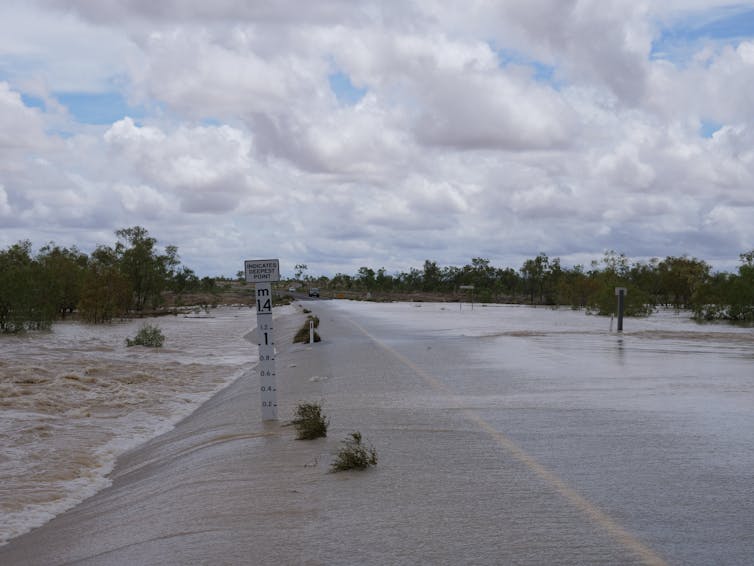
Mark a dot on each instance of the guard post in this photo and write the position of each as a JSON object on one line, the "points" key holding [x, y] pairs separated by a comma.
{"points": [[620, 292], [263, 272]]}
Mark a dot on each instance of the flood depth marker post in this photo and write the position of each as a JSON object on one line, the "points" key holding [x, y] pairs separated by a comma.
{"points": [[263, 272]]}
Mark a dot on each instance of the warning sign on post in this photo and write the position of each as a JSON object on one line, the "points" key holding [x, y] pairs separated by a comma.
{"points": [[262, 270]]}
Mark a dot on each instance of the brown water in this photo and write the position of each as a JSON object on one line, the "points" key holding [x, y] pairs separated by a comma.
{"points": [[74, 398]]}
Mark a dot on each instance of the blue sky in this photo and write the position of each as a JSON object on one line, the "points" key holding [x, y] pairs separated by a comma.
{"points": [[348, 135]]}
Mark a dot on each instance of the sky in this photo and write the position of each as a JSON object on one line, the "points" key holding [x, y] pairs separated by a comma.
{"points": [[342, 134]]}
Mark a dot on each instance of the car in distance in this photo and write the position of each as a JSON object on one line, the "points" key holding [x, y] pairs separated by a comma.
{"points": [[313, 292], [291, 289]]}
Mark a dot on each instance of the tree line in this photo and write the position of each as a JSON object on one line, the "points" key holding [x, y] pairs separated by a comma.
{"points": [[678, 282], [130, 276], [133, 276]]}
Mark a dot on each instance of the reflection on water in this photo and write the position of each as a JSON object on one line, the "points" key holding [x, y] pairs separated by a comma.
{"points": [[74, 398]]}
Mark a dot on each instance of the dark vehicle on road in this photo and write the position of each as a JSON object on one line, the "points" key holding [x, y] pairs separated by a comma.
{"points": [[313, 292]]}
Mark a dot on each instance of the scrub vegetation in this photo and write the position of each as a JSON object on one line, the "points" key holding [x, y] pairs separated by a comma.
{"points": [[148, 335], [354, 455], [678, 282], [310, 422], [134, 277], [302, 334]]}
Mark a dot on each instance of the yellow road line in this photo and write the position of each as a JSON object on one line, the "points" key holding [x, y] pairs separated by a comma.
{"points": [[598, 517]]}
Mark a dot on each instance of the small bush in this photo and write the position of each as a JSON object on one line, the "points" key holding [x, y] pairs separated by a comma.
{"points": [[302, 336], [309, 421], [353, 455], [147, 335]]}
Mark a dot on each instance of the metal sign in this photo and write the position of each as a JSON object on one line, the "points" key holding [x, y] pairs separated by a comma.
{"points": [[262, 270], [619, 290]]}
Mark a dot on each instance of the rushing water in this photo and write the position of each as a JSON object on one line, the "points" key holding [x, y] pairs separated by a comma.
{"points": [[74, 398]]}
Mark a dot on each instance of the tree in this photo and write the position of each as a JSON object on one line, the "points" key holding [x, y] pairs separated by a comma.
{"points": [[366, 276], [300, 270], [184, 281], [106, 292], [533, 272], [63, 271], [431, 277], [147, 272], [24, 305], [679, 278], [383, 281]]}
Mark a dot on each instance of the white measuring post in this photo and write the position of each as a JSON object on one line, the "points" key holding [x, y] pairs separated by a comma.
{"points": [[311, 332], [263, 272]]}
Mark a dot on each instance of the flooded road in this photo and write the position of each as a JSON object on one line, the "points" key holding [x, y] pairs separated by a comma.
{"points": [[653, 427], [505, 435]]}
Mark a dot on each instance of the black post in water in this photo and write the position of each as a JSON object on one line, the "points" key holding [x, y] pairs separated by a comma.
{"points": [[621, 293]]}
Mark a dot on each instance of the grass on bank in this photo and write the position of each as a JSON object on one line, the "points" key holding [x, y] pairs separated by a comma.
{"points": [[354, 455], [310, 422], [302, 335]]}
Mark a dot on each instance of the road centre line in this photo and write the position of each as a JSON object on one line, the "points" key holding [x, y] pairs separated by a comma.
{"points": [[597, 516]]}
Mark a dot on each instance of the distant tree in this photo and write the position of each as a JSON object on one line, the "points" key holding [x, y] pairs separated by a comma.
{"points": [[533, 273], [24, 303], [342, 282], [383, 281], [507, 281], [366, 277], [208, 285], [63, 275], [740, 295], [106, 293], [184, 280], [300, 268], [147, 272], [616, 273], [431, 277], [679, 278]]}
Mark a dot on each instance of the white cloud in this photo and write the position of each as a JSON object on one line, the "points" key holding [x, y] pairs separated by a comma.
{"points": [[499, 129], [21, 128], [5, 209], [205, 168]]}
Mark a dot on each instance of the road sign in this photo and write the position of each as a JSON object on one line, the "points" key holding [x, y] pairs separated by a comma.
{"points": [[262, 270]]}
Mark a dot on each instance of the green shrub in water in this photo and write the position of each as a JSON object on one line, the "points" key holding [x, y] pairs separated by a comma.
{"points": [[309, 421], [354, 455], [147, 335]]}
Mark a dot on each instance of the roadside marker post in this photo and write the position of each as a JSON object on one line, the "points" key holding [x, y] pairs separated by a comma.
{"points": [[620, 292], [263, 272]]}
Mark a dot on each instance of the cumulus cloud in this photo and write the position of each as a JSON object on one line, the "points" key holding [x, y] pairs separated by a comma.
{"points": [[205, 168], [21, 128], [499, 129]]}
